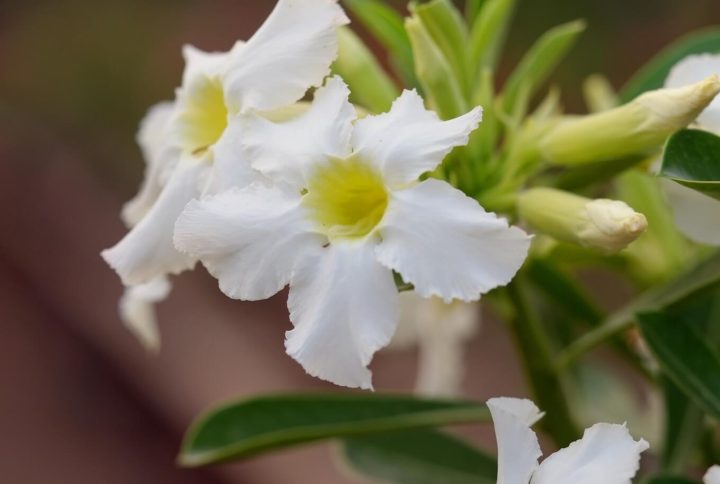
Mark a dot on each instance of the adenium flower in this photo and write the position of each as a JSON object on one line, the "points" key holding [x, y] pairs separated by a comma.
{"points": [[712, 476], [606, 454], [189, 143], [696, 213], [342, 208]]}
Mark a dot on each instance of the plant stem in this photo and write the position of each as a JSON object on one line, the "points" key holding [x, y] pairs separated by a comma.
{"points": [[542, 374]]}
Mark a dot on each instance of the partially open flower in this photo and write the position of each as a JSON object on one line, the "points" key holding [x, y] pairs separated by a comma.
{"points": [[344, 210]]}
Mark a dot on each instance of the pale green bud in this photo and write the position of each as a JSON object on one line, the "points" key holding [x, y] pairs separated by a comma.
{"points": [[633, 128], [605, 225]]}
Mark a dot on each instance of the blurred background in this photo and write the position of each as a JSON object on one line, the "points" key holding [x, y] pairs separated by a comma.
{"points": [[80, 401]]}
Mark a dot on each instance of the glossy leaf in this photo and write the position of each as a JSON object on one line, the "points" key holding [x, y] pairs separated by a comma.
{"points": [[685, 357], [653, 74], [692, 158], [261, 424], [423, 456]]}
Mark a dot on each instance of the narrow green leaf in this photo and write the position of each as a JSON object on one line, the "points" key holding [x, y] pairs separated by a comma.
{"points": [[683, 424], [448, 30], [247, 427], [537, 64], [436, 77], [653, 74], [369, 86], [692, 158], [386, 24], [472, 9], [424, 456], [488, 33], [685, 357]]}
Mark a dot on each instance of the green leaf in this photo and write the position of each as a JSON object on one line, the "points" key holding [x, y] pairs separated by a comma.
{"points": [[446, 27], [581, 176], [692, 158], [488, 33], [369, 86], [472, 9], [386, 24], [685, 357], [247, 427], [653, 74], [537, 64], [424, 456]]}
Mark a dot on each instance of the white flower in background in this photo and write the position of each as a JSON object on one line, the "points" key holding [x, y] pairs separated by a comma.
{"points": [[440, 331], [290, 53], [696, 214], [344, 210], [712, 476], [606, 454]]}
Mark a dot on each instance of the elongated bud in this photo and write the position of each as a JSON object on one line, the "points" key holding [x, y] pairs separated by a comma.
{"points": [[605, 225], [633, 128]]}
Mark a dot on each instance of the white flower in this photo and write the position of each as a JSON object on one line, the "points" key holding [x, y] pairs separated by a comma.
{"points": [[290, 53], [712, 476], [696, 214], [606, 454], [137, 310], [344, 210], [440, 331]]}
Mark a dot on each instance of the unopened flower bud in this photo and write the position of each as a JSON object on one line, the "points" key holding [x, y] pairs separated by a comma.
{"points": [[605, 225], [633, 128]]}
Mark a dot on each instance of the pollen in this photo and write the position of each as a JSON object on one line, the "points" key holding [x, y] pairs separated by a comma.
{"points": [[346, 198]]}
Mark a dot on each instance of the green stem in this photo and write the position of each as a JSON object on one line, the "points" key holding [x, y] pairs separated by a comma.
{"points": [[544, 379]]}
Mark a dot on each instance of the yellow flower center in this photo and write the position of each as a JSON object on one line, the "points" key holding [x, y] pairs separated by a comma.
{"points": [[204, 118], [347, 198]]}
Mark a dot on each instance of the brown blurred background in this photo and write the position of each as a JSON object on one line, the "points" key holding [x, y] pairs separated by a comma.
{"points": [[80, 402]]}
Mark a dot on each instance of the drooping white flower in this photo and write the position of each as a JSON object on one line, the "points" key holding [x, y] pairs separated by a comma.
{"points": [[343, 209], [440, 332], [606, 454], [697, 215], [137, 310], [712, 476], [290, 53]]}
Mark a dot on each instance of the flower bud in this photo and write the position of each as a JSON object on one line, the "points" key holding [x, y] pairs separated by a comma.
{"points": [[633, 128], [605, 225]]}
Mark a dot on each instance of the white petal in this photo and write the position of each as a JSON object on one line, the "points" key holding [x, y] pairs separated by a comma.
{"points": [[200, 65], [694, 69], [137, 310], [696, 215], [344, 307], [249, 239], [518, 447], [290, 53], [284, 151], [231, 166], [147, 251], [409, 140], [160, 160], [712, 476], [606, 454], [446, 245]]}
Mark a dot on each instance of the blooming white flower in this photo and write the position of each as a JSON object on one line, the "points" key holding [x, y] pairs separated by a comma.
{"points": [[696, 214], [606, 454], [290, 53], [440, 331], [712, 476], [344, 210]]}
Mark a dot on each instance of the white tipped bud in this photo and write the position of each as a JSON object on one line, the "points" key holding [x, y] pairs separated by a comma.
{"points": [[604, 225], [634, 128]]}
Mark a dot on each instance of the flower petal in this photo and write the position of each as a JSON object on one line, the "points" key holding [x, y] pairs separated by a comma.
{"points": [[409, 140], [446, 245], [231, 166], [518, 447], [249, 239], [344, 307], [147, 251], [712, 476], [284, 151], [290, 53], [137, 310], [692, 69], [606, 454], [160, 159], [696, 214]]}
